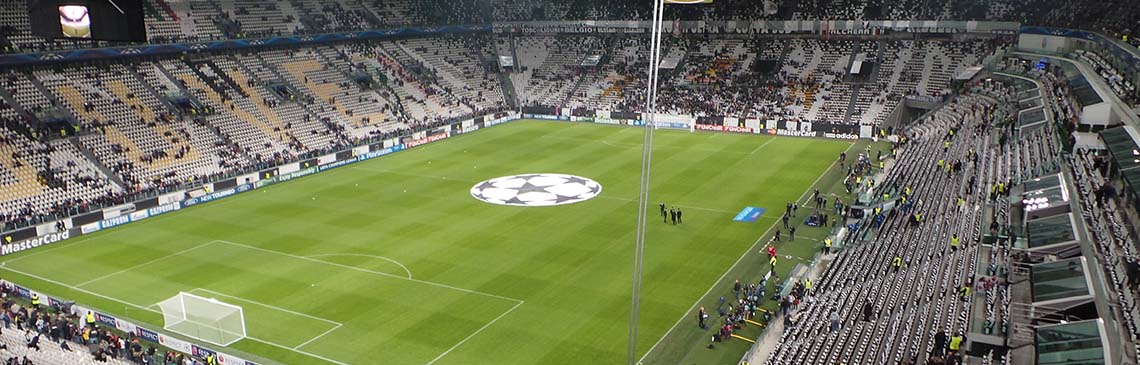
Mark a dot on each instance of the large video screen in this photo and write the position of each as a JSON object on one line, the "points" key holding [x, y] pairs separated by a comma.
{"points": [[106, 20], [75, 21]]}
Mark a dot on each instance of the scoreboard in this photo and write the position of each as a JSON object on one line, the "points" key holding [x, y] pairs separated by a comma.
{"points": [[102, 20]]}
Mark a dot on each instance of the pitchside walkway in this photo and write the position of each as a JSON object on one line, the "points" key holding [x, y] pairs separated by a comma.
{"points": [[767, 342]]}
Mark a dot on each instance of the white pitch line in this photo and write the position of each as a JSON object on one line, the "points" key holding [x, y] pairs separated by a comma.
{"points": [[336, 325], [638, 146], [475, 333], [143, 264], [81, 290], [317, 337], [303, 352], [329, 321], [87, 238], [469, 291], [676, 205], [762, 146], [473, 181], [730, 268], [58, 246], [409, 272], [411, 174], [612, 144]]}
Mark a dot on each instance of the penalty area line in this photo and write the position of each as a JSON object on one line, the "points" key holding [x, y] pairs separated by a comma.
{"points": [[309, 316], [409, 272], [335, 325], [302, 352], [171, 255], [373, 272], [317, 337], [464, 340], [81, 290]]}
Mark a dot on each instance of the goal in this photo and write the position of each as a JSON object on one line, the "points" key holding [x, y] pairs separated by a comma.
{"points": [[205, 319]]}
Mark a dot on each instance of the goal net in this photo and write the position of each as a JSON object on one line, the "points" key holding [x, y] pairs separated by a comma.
{"points": [[206, 319]]}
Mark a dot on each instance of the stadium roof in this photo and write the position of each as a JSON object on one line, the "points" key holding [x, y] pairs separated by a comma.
{"points": [[1044, 192], [1027, 117], [1052, 230], [1030, 103], [1060, 280], [1031, 93], [968, 73], [1125, 151], [1084, 92], [1072, 343]]}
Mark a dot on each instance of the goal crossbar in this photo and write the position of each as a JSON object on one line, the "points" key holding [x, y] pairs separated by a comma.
{"points": [[202, 318]]}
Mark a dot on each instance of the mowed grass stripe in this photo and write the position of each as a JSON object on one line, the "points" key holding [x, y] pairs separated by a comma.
{"points": [[571, 264]]}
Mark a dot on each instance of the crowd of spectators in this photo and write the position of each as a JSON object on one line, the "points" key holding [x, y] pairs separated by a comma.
{"points": [[1115, 18], [187, 140], [71, 332]]}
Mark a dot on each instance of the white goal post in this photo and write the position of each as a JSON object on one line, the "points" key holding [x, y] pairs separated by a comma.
{"points": [[205, 319]]}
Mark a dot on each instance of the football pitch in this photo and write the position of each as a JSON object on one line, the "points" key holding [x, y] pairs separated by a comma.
{"points": [[393, 261]]}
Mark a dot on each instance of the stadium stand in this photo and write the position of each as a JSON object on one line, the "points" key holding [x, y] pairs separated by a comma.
{"points": [[46, 336], [158, 124], [147, 125], [908, 310], [608, 85], [457, 66], [143, 145], [551, 65], [1114, 244], [196, 20], [1120, 85]]}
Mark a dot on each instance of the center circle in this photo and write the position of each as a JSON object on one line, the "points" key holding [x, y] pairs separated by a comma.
{"points": [[536, 190]]}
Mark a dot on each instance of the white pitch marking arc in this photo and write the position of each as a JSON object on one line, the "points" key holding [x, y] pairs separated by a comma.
{"points": [[409, 272]]}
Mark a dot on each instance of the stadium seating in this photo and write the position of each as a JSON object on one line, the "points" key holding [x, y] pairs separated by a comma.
{"points": [[1114, 244], [1117, 81], [551, 65], [134, 138], [909, 307], [455, 63], [195, 20], [49, 352], [261, 18], [811, 81], [606, 87]]}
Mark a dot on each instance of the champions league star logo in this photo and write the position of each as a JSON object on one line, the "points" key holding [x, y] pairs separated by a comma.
{"points": [[536, 190]]}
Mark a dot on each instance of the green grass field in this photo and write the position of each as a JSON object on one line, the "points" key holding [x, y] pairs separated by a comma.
{"points": [[391, 261]]}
